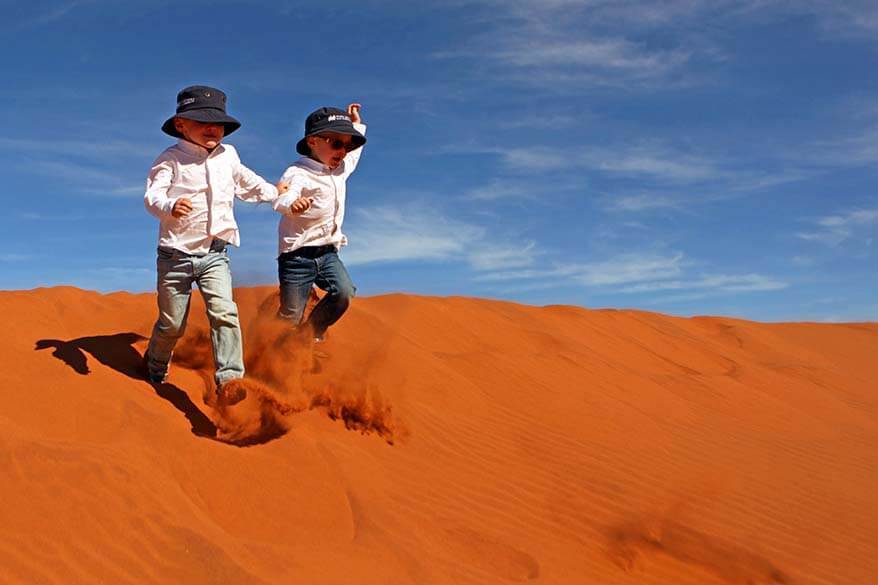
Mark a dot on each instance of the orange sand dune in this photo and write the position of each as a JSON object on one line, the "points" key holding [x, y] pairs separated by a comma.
{"points": [[441, 440]]}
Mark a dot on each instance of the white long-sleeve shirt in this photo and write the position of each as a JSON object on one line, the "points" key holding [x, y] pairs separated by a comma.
{"points": [[210, 180], [321, 223]]}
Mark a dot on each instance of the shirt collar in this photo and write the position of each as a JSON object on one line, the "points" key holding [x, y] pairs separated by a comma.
{"points": [[195, 149], [317, 166]]}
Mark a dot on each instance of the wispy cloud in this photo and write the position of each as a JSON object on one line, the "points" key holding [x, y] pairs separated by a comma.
{"points": [[643, 159], [858, 149], [841, 18], [57, 12], [85, 178], [93, 167], [622, 269], [421, 233], [13, 257], [498, 189], [42, 216], [571, 63], [391, 234], [42, 13], [78, 148], [638, 274], [656, 161], [718, 282], [727, 182], [628, 45], [849, 18], [587, 45], [617, 55], [641, 202], [629, 268], [835, 229], [503, 258]]}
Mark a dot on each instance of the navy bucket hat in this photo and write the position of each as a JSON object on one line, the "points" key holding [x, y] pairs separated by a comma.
{"points": [[329, 120], [202, 104]]}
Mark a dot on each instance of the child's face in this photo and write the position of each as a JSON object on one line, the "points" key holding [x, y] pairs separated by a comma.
{"points": [[329, 148], [203, 134]]}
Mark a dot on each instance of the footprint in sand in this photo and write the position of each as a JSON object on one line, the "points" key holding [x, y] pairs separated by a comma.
{"points": [[491, 556]]}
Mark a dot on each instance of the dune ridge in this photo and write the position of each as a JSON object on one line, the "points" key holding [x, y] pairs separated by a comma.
{"points": [[438, 440]]}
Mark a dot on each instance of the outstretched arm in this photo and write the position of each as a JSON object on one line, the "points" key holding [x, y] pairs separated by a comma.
{"points": [[294, 197], [251, 187]]}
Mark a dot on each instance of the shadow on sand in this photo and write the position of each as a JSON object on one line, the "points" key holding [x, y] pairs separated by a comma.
{"points": [[118, 352]]}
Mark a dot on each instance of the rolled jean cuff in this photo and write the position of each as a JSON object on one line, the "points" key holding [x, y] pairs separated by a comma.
{"points": [[220, 380]]}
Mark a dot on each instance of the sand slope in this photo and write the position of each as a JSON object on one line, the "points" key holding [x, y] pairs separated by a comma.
{"points": [[444, 440]]}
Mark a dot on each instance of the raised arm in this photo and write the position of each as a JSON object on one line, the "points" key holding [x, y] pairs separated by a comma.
{"points": [[353, 158]]}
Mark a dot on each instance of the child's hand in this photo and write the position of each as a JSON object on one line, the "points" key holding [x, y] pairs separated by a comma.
{"points": [[182, 207], [304, 202], [354, 113], [282, 188], [301, 205]]}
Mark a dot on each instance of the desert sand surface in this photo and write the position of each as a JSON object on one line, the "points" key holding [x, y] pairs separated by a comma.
{"points": [[438, 440]]}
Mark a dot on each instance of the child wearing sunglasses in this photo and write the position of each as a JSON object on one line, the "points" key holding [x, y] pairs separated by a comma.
{"points": [[312, 212]]}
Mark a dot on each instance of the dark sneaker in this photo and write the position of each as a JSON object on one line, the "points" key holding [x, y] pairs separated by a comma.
{"points": [[157, 378], [151, 375]]}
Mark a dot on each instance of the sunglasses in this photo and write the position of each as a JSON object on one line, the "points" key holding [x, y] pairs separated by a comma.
{"points": [[337, 143]]}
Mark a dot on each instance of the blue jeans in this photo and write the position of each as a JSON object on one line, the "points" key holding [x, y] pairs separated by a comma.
{"points": [[298, 271], [212, 273]]}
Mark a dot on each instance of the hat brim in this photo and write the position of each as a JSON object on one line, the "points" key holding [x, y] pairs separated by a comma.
{"points": [[357, 139], [205, 115]]}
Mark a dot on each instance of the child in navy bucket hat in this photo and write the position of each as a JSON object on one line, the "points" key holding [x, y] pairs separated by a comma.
{"points": [[191, 189], [312, 212]]}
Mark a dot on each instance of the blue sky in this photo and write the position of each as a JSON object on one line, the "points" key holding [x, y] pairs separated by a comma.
{"points": [[686, 156]]}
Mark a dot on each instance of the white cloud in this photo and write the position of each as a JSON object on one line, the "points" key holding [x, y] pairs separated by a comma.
{"points": [[845, 18], [835, 229], [41, 15], [13, 257], [629, 268], [391, 234], [859, 149], [418, 232], [497, 258], [570, 44], [800, 260], [496, 190], [645, 159], [85, 178], [637, 274], [720, 282], [79, 148], [623, 269], [641, 202], [610, 54], [659, 162], [848, 18], [542, 122]]}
